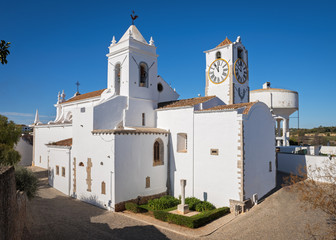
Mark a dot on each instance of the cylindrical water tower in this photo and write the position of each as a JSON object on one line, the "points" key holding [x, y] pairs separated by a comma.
{"points": [[282, 103]]}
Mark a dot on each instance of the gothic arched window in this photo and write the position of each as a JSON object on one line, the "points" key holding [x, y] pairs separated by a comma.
{"points": [[143, 75], [103, 188], [158, 152], [117, 78]]}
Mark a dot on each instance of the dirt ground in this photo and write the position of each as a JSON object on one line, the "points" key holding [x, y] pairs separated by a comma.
{"points": [[53, 215]]}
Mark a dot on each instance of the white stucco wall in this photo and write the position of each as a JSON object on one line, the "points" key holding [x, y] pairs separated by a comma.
{"points": [[316, 166], [181, 164], [134, 162], [136, 107], [108, 114], [45, 134], [259, 150], [216, 177], [328, 150], [100, 149], [26, 151], [59, 156]]}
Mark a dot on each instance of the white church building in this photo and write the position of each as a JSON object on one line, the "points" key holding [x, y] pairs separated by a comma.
{"points": [[135, 140]]}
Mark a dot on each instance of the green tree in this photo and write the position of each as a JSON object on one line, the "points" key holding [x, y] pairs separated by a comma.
{"points": [[9, 136], [26, 181], [4, 52]]}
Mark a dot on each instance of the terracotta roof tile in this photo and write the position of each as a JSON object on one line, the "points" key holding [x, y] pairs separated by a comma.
{"points": [[225, 42], [85, 96], [136, 130], [185, 102], [64, 142], [247, 107]]}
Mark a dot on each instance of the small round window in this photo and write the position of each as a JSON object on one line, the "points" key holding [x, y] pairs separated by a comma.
{"points": [[159, 87]]}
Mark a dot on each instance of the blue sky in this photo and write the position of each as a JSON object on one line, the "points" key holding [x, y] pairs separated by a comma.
{"points": [[56, 43]]}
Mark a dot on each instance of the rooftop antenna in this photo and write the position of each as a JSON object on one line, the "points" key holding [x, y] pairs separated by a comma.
{"points": [[133, 16]]}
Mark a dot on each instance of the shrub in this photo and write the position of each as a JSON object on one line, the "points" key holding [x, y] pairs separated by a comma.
{"points": [[163, 203], [192, 202], [204, 206], [134, 207], [26, 181], [193, 221]]}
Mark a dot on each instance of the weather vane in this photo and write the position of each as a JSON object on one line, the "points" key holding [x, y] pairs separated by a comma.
{"points": [[133, 16], [77, 84]]}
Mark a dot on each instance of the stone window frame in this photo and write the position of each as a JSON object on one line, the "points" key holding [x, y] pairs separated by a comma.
{"points": [[182, 142], [158, 152], [57, 170], [63, 171], [214, 151], [103, 188], [147, 182]]}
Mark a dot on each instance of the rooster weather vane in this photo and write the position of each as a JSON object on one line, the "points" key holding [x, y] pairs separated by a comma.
{"points": [[133, 16]]}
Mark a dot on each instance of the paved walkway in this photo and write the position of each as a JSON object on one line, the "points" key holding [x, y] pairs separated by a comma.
{"points": [[56, 216]]}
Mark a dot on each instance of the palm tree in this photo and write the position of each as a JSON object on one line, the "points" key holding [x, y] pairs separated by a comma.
{"points": [[4, 52]]}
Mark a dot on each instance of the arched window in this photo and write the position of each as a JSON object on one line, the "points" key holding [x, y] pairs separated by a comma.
{"points": [[117, 78], [158, 152], [218, 55], [103, 188], [143, 75]]}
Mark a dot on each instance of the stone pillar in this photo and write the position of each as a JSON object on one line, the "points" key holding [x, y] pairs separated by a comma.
{"points": [[183, 208], [284, 132]]}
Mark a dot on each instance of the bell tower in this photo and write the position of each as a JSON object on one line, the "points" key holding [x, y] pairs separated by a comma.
{"points": [[132, 66], [226, 72]]}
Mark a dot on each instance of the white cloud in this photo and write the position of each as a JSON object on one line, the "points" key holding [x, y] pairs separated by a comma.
{"points": [[23, 114]]}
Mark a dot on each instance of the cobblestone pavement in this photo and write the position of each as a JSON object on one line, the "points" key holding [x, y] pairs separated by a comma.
{"points": [[56, 216]]}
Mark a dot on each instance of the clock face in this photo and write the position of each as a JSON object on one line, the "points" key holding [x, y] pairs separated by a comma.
{"points": [[240, 71], [218, 71]]}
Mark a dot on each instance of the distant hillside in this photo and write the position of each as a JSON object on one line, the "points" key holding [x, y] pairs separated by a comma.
{"points": [[315, 136]]}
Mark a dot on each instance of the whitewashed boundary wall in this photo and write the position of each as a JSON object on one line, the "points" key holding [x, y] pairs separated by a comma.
{"points": [[317, 166]]}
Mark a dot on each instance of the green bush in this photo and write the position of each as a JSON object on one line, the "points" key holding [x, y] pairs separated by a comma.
{"points": [[192, 202], [193, 221], [26, 181], [134, 207], [163, 203], [204, 206]]}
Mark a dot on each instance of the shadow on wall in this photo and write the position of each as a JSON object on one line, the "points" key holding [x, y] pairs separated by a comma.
{"points": [[51, 176], [93, 199], [75, 221]]}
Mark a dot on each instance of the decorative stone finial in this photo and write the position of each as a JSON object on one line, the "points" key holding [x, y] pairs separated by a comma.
{"points": [[62, 96], [130, 33], [238, 39], [113, 42], [151, 41], [58, 98], [37, 120]]}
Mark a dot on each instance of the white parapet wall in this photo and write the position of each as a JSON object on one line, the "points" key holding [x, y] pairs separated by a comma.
{"points": [[319, 168]]}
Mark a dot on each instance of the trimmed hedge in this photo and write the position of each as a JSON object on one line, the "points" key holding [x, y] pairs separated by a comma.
{"points": [[134, 207], [192, 202], [193, 221], [163, 203], [204, 206]]}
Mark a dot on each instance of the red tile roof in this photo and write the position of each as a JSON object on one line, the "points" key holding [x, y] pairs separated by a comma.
{"points": [[185, 102], [64, 142], [85, 96], [135, 130], [225, 42], [247, 107]]}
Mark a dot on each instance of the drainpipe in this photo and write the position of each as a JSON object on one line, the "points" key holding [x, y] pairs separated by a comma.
{"points": [[69, 152]]}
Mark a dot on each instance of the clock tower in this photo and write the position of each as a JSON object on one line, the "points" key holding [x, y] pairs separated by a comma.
{"points": [[227, 74]]}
